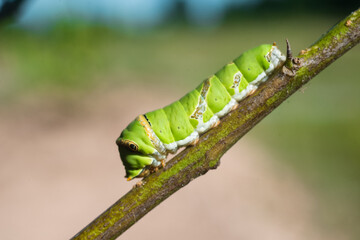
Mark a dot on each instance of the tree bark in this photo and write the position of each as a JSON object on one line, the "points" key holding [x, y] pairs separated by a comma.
{"points": [[196, 160]]}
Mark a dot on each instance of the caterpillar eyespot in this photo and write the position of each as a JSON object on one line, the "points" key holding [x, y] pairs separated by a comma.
{"points": [[133, 147], [150, 137]]}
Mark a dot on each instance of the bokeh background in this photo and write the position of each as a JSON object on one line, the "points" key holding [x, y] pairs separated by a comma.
{"points": [[73, 74]]}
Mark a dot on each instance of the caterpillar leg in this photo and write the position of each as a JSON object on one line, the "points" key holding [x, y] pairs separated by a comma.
{"points": [[138, 184], [162, 162], [144, 173], [216, 124], [252, 91], [159, 164], [194, 142], [235, 107]]}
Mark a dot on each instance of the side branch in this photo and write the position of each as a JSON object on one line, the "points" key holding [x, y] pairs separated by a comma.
{"points": [[197, 160]]}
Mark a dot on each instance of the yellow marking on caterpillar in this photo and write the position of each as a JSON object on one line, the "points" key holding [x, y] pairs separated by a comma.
{"points": [[151, 134]]}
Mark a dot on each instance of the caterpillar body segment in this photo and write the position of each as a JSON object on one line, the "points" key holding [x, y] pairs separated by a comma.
{"points": [[145, 142]]}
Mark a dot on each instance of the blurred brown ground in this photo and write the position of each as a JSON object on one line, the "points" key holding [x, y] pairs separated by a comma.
{"points": [[60, 169]]}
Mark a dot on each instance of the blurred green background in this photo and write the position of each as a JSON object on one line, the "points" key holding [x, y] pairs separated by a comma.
{"points": [[316, 132]]}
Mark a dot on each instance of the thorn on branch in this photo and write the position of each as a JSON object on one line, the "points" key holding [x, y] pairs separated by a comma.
{"points": [[288, 68], [288, 50]]}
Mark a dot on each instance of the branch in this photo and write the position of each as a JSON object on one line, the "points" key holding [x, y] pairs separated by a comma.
{"points": [[196, 160]]}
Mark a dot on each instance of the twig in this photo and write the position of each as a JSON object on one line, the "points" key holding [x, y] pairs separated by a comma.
{"points": [[197, 160]]}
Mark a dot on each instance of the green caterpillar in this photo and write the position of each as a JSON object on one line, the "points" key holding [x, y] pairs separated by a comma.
{"points": [[146, 141]]}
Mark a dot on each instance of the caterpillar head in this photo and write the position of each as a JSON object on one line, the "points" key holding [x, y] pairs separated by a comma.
{"points": [[136, 150]]}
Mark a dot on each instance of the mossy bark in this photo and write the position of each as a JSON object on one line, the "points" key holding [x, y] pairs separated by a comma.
{"points": [[196, 160]]}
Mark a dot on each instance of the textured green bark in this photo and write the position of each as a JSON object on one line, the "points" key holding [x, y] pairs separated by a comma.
{"points": [[197, 160]]}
